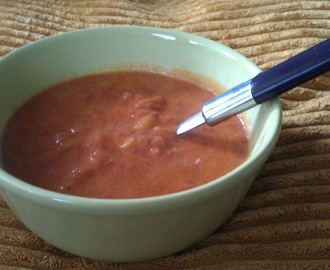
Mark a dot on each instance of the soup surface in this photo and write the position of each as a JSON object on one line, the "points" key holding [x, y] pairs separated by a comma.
{"points": [[114, 136]]}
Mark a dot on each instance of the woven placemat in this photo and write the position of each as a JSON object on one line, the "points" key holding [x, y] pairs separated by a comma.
{"points": [[284, 221]]}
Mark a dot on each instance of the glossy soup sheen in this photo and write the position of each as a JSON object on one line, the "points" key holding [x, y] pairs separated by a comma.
{"points": [[113, 135]]}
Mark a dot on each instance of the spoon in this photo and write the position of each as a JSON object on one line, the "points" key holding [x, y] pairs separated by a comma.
{"points": [[265, 86]]}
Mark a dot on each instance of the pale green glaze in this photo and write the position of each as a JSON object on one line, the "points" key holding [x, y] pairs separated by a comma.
{"points": [[136, 229]]}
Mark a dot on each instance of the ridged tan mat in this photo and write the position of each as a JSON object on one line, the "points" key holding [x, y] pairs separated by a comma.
{"points": [[284, 222]]}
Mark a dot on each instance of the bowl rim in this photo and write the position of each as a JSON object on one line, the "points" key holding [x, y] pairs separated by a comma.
{"points": [[37, 194]]}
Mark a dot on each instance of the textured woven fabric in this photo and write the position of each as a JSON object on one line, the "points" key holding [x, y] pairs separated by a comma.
{"points": [[284, 221]]}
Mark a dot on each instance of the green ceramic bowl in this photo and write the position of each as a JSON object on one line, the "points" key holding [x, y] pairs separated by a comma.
{"points": [[130, 229]]}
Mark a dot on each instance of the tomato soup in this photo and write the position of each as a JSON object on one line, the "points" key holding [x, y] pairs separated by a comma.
{"points": [[113, 135]]}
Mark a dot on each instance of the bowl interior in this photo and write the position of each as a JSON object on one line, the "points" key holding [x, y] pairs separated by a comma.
{"points": [[34, 67]]}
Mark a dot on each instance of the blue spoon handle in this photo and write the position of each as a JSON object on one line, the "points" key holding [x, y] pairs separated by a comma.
{"points": [[291, 73], [265, 86]]}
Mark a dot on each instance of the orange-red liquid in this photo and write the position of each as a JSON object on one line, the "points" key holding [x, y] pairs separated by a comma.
{"points": [[114, 136]]}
